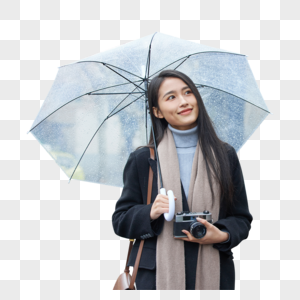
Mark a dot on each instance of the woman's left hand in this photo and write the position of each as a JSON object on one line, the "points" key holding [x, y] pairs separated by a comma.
{"points": [[213, 234]]}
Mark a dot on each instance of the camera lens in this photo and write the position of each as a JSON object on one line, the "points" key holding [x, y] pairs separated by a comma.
{"points": [[197, 230]]}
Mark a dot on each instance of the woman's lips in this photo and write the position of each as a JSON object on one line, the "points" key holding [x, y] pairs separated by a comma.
{"points": [[186, 112]]}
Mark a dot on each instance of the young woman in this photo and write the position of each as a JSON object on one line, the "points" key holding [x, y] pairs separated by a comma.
{"points": [[205, 175]]}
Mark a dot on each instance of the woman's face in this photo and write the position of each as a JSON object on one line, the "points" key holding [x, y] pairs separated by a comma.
{"points": [[174, 96]]}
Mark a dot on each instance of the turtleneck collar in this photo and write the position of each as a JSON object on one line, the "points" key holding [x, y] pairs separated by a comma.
{"points": [[184, 138]]}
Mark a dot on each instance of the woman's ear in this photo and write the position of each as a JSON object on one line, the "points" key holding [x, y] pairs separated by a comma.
{"points": [[157, 113]]}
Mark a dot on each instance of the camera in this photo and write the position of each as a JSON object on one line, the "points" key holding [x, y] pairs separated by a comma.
{"points": [[187, 221]]}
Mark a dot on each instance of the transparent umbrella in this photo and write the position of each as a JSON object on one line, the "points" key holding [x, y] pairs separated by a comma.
{"points": [[95, 114]]}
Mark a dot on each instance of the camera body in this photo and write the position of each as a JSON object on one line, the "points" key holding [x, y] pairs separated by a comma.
{"points": [[187, 221]]}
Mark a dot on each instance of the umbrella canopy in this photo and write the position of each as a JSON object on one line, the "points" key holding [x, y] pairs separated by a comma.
{"points": [[95, 113]]}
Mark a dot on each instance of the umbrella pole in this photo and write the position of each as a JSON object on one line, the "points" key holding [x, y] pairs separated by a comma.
{"points": [[156, 153], [154, 139], [146, 107]]}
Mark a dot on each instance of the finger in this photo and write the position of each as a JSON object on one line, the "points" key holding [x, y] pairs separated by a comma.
{"points": [[166, 201], [162, 205], [159, 201], [204, 222], [165, 196], [163, 199], [183, 239], [163, 210], [160, 211], [189, 236], [160, 196]]}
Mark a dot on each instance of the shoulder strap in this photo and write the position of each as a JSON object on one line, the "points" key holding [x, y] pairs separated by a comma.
{"points": [[150, 180], [138, 257]]}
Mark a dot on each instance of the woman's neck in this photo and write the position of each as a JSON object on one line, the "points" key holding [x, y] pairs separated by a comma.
{"points": [[185, 138]]}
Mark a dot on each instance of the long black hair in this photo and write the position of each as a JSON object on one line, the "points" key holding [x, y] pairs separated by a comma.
{"points": [[207, 137]]}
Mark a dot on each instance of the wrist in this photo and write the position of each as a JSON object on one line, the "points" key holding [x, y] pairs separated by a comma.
{"points": [[223, 236], [151, 218]]}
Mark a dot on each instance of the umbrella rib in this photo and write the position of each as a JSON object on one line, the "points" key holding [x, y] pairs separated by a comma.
{"points": [[148, 58], [56, 111], [115, 85], [95, 134], [104, 64], [201, 85], [148, 62], [89, 93], [124, 106], [192, 55], [170, 64], [122, 76], [182, 62], [146, 84], [122, 101], [123, 70]]}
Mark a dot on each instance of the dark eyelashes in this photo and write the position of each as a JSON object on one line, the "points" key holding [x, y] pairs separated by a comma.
{"points": [[190, 92]]}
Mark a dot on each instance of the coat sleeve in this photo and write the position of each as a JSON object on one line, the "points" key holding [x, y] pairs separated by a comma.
{"points": [[238, 222], [131, 218]]}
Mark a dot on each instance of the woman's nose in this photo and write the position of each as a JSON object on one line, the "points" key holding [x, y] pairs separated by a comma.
{"points": [[182, 100]]}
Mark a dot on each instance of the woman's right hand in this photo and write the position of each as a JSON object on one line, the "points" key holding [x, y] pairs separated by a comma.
{"points": [[160, 206]]}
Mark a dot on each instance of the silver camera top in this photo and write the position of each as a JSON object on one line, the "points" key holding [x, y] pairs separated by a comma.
{"points": [[184, 216]]}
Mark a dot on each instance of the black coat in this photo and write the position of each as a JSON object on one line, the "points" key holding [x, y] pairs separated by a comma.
{"points": [[131, 218]]}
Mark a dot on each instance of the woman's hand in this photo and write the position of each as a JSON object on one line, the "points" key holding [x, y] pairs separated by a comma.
{"points": [[160, 206], [213, 234]]}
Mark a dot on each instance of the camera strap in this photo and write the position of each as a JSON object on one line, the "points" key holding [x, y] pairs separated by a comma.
{"points": [[185, 206]]}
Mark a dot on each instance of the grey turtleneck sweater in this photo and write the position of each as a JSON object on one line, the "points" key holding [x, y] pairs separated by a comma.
{"points": [[186, 143]]}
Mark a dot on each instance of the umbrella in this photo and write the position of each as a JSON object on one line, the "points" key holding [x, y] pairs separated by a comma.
{"points": [[95, 113]]}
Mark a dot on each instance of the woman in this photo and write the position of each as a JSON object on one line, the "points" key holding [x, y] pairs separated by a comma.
{"points": [[204, 173]]}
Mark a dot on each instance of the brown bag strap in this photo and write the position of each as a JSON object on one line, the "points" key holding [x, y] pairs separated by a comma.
{"points": [[138, 257], [129, 251]]}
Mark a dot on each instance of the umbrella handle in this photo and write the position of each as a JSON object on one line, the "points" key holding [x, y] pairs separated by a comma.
{"points": [[170, 215]]}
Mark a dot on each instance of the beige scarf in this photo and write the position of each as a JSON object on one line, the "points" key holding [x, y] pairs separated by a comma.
{"points": [[170, 261]]}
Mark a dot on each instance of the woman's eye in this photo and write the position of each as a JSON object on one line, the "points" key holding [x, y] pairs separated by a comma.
{"points": [[170, 97], [188, 91]]}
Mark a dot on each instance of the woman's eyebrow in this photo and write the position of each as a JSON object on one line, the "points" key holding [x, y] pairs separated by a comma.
{"points": [[171, 92]]}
